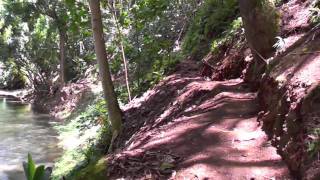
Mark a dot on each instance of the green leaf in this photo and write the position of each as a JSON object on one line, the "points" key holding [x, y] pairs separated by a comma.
{"points": [[30, 168], [70, 2], [25, 168], [165, 166], [39, 174]]}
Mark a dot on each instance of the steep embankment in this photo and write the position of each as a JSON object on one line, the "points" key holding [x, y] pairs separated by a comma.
{"points": [[187, 127], [290, 93]]}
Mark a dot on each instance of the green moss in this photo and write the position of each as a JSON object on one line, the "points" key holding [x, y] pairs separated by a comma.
{"points": [[94, 171]]}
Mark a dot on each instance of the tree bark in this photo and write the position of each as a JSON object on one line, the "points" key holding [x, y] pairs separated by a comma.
{"points": [[261, 24], [63, 63], [114, 112]]}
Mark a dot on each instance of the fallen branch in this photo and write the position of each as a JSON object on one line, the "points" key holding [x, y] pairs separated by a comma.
{"points": [[302, 53]]}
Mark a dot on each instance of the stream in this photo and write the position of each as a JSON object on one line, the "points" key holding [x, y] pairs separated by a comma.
{"points": [[23, 131]]}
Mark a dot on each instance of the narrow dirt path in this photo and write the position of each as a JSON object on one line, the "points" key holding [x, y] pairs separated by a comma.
{"points": [[225, 142], [189, 128]]}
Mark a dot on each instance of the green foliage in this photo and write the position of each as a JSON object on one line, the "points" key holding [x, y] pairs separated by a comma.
{"points": [[150, 32], [12, 77], [227, 36], [314, 143], [29, 35], [159, 69], [85, 138], [213, 18], [278, 2], [32, 172], [315, 13]]}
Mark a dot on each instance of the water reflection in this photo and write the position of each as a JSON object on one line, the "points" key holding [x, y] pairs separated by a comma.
{"points": [[23, 131]]}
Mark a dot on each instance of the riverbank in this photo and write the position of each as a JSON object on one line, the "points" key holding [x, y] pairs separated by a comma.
{"points": [[18, 94], [64, 101]]}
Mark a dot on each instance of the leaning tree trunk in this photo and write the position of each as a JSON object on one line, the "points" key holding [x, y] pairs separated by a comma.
{"points": [[63, 63], [261, 24], [114, 112]]}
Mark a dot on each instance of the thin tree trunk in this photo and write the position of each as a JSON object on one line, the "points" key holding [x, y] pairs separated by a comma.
{"points": [[111, 8], [125, 69], [62, 47], [114, 112]]}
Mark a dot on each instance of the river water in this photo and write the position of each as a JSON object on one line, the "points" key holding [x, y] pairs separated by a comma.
{"points": [[21, 132]]}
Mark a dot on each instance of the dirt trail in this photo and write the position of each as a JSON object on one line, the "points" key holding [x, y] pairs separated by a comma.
{"points": [[189, 128]]}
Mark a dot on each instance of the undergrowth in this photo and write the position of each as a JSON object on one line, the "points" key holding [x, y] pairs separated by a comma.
{"points": [[314, 143], [315, 13], [11, 76], [159, 70], [228, 37], [85, 138], [213, 18]]}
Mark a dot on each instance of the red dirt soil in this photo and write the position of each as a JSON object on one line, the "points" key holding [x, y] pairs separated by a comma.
{"points": [[189, 128]]}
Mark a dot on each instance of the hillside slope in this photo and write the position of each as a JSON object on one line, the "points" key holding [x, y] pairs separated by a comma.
{"points": [[208, 130], [289, 95], [214, 127]]}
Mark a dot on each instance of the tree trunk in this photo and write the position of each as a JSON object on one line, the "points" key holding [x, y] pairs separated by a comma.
{"points": [[261, 24], [63, 63], [114, 112]]}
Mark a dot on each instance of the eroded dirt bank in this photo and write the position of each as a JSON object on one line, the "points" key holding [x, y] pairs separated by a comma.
{"points": [[290, 95], [290, 99], [62, 102]]}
